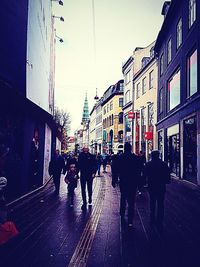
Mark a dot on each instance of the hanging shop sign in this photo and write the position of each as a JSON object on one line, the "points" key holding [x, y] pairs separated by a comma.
{"points": [[148, 135]]}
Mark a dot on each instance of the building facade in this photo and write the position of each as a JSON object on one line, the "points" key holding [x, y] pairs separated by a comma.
{"points": [[178, 122], [92, 131], [127, 70], [27, 130], [145, 106], [99, 128], [112, 118]]}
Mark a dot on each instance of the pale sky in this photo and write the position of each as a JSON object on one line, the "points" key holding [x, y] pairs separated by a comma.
{"points": [[120, 26]]}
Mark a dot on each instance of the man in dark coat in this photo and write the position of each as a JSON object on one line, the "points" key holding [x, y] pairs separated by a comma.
{"points": [[87, 165], [128, 169], [157, 173], [56, 167]]}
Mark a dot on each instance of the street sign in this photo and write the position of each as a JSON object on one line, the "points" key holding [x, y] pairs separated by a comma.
{"points": [[131, 115]]}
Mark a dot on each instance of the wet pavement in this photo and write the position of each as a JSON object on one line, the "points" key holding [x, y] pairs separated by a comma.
{"points": [[54, 234]]}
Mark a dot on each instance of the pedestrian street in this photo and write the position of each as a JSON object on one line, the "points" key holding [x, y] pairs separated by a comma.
{"points": [[54, 234]]}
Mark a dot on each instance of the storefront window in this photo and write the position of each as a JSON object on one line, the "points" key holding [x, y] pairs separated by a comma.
{"points": [[190, 149], [128, 125], [174, 90], [174, 149], [161, 144]]}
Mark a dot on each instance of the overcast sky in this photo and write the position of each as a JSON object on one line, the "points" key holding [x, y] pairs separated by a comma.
{"points": [[120, 26]]}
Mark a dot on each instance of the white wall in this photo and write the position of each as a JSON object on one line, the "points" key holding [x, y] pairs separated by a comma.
{"points": [[39, 35]]}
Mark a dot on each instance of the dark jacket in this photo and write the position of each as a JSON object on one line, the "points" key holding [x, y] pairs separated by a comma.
{"points": [[129, 171], [57, 165], [157, 173], [87, 164]]}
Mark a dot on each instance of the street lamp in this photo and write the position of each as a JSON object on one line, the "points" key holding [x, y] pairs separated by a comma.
{"points": [[61, 18], [96, 97], [60, 39], [59, 2]]}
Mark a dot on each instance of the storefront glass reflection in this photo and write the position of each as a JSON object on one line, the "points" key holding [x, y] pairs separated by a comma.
{"points": [[174, 153], [190, 150]]}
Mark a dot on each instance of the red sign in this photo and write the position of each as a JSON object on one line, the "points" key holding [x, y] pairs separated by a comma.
{"points": [[148, 135], [131, 115]]}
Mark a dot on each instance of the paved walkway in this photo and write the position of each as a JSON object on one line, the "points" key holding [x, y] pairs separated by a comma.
{"points": [[53, 234]]}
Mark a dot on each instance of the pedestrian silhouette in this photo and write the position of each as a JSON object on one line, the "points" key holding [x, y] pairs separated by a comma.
{"points": [[88, 166], [56, 167], [99, 163], [128, 172], [157, 174], [71, 180]]}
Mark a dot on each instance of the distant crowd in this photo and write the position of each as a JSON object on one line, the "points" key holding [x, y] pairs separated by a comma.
{"points": [[131, 172]]}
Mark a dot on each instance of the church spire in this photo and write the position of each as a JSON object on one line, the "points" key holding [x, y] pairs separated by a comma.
{"points": [[85, 117]]}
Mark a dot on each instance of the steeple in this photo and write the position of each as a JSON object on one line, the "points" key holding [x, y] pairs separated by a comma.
{"points": [[85, 117]]}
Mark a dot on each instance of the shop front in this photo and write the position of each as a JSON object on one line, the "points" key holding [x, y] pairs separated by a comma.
{"points": [[190, 149], [173, 149]]}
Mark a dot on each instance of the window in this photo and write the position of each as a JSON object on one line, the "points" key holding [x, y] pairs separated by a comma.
{"points": [[104, 110], [144, 85], [127, 97], [179, 33], [120, 116], [192, 74], [174, 90], [127, 77], [120, 102], [160, 101], [151, 79], [121, 87], [192, 12], [137, 90], [111, 105], [161, 65], [161, 144], [169, 51], [107, 107]]}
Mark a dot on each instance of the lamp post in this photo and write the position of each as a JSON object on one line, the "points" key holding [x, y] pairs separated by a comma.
{"points": [[57, 17], [60, 39], [59, 2]]}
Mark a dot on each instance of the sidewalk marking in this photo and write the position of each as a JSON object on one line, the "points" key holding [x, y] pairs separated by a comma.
{"points": [[83, 248]]}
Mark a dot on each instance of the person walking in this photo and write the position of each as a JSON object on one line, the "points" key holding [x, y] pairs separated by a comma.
{"points": [[157, 173], [56, 167], [114, 168], [88, 166], [71, 179], [128, 172], [99, 163], [104, 161]]}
